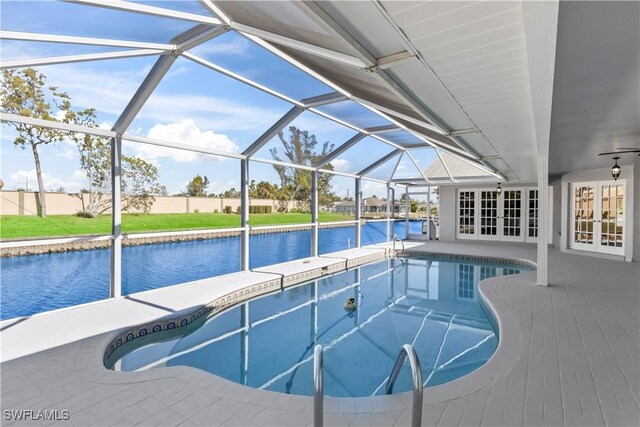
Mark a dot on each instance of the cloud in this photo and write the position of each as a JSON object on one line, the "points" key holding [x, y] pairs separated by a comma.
{"points": [[59, 115], [111, 95], [21, 177], [184, 132], [370, 188], [239, 46], [67, 154], [218, 113], [341, 165]]}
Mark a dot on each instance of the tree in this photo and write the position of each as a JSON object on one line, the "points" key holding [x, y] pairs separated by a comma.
{"points": [[22, 92], [436, 191], [301, 149], [413, 204], [139, 178], [198, 186], [231, 193], [264, 190]]}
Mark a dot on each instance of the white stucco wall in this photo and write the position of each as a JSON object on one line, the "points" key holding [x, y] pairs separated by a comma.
{"points": [[447, 214], [557, 211], [636, 211]]}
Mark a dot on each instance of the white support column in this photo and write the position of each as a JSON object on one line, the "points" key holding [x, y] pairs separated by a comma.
{"points": [[115, 289], [389, 207], [244, 214], [407, 209], [543, 221], [358, 212], [314, 213], [429, 213]]}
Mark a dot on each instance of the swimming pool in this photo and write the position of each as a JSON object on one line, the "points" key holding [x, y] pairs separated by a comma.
{"points": [[36, 283], [268, 342]]}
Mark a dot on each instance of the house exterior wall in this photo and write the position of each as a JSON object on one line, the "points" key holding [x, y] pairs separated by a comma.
{"points": [[557, 211], [561, 207], [636, 211], [447, 213]]}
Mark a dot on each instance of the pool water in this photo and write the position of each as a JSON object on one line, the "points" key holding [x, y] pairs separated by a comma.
{"points": [[268, 342], [35, 283]]}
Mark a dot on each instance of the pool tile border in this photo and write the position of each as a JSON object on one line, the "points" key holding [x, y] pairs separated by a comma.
{"points": [[180, 325], [474, 258]]}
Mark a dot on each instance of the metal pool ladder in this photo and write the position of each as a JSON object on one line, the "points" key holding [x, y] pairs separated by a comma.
{"points": [[416, 373], [397, 239], [318, 387]]}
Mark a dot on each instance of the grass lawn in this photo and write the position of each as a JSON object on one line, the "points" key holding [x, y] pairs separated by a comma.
{"points": [[15, 226]]}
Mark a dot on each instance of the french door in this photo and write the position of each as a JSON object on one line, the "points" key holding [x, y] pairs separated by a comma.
{"points": [[512, 215], [489, 204], [499, 216], [597, 216]]}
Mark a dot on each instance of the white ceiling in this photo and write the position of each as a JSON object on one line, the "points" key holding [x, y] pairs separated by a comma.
{"points": [[596, 95], [470, 69], [477, 54]]}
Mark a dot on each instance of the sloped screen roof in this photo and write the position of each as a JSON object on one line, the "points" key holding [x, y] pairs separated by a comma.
{"points": [[188, 60]]}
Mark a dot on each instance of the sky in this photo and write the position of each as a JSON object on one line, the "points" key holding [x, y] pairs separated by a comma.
{"points": [[192, 105]]}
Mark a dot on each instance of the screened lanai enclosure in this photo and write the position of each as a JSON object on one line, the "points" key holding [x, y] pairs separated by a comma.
{"points": [[216, 88]]}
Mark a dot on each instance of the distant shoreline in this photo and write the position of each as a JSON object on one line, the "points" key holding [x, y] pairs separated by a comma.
{"points": [[86, 243]]}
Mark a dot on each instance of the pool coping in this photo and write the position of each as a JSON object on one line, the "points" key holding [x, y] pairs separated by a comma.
{"points": [[503, 360]]}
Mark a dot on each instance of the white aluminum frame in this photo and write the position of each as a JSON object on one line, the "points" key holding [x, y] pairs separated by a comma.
{"points": [[23, 63], [91, 41], [128, 6], [210, 27]]}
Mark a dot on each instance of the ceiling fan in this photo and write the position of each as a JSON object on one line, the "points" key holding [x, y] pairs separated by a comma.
{"points": [[622, 151], [616, 169]]}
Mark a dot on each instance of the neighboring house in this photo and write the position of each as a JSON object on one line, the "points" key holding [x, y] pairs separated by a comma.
{"points": [[370, 206]]}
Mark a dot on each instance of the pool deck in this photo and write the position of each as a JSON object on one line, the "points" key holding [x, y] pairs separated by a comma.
{"points": [[569, 355]]}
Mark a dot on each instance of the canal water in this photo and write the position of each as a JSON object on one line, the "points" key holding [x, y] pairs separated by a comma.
{"points": [[36, 283]]}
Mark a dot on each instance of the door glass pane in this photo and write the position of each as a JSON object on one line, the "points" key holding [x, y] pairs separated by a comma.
{"points": [[488, 213], [612, 202], [583, 221], [512, 211], [466, 212]]}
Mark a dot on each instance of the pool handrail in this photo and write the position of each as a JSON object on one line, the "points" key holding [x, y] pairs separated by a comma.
{"points": [[318, 387], [393, 242], [408, 351]]}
